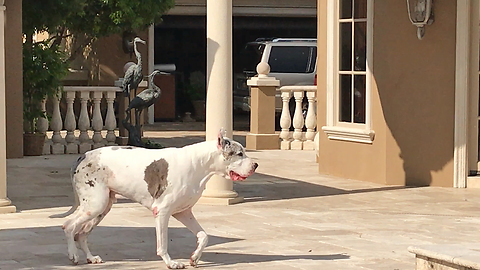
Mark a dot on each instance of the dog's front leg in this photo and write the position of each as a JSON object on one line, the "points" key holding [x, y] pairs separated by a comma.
{"points": [[188, 219], [161, 226]]}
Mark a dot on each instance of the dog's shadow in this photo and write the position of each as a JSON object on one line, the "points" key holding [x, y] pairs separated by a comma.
{"points": [[127, 248]]}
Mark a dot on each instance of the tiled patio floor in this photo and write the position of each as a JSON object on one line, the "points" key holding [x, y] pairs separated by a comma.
{"points": [[292, 218]]}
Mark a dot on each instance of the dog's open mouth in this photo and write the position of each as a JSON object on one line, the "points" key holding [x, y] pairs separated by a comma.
{"points": [[236, 177]]}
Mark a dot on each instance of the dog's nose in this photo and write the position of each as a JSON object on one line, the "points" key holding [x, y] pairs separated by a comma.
{"points": [[255, 166]]}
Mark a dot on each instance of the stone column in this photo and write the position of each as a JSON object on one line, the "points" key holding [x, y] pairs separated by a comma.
{"points": [[219, 92], [5, 203], [262, 114]]}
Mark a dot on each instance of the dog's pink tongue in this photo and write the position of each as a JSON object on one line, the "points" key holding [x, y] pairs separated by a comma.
{"points": [[236, 177]]}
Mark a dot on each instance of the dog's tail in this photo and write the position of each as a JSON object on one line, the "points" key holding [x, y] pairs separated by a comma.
{"points": [[71, 210], [66, 214], [77, 202]]}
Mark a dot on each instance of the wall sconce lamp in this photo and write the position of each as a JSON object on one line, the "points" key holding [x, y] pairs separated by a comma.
{"points": [[420, 13]]}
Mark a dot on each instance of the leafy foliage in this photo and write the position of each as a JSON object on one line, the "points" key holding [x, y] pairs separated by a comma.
{"points": [[91, 18], [44, 68]]}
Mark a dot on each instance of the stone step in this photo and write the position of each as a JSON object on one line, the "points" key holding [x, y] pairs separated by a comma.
{"points": [[473, 182], [447, 257]]}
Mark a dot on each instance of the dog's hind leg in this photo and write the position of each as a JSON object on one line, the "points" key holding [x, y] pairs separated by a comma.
{"points": [[88, 227], [92, 204], [188, 219]]}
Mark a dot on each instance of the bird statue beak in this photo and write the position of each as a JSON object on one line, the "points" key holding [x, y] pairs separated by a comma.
{"points": [[142, 41]]}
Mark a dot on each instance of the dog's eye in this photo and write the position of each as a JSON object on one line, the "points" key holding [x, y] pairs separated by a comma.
{"points": [[240, 154]]}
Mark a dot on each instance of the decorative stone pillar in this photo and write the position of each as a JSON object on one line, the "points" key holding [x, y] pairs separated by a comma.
{"points": [[262, 113], [5, 203], [97, 121], [56, 125], [298, 122], [42, 127], [70, 124], [110, 121], [84, 123], [219, 92]]}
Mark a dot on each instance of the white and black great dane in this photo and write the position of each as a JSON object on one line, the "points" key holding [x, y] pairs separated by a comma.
{"points": [[167, 181]]}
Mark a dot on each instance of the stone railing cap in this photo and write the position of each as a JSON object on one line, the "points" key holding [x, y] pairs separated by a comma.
{"points": [[262, 79]]}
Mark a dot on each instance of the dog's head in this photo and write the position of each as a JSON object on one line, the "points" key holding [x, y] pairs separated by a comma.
{"points": [[236, 163]]}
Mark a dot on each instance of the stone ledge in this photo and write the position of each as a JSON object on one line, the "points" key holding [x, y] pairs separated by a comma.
{"points": [[453, 256]]}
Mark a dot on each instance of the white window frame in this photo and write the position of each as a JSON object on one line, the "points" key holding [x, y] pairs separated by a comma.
{"points": [[335, 129]]}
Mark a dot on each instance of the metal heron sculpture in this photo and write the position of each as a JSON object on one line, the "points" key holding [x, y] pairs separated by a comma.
{"points": [[133, 75], [146, 98]]}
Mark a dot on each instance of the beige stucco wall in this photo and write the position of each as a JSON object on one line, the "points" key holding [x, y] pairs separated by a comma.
{"points": [[13, 78], [108, 58], [412, 102]]}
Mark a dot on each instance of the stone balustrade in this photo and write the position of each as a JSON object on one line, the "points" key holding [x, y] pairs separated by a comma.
{"points": [[304, 125], [85, 131]]}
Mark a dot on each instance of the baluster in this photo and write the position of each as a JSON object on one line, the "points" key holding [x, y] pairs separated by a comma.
{"points": [[97, 121], [70, 124], [298, 122], [310, 122], [110, 121], [42, 127], [84, 123], [285, 121], [56, 125]]}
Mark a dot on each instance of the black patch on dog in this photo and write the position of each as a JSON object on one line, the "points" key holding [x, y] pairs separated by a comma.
{"points": [[90, 183], [89, 164], [75, 165], [156, 177]]}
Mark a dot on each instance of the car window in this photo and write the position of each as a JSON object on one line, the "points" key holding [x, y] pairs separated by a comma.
{"points": [[292, 59], [249, 57]]}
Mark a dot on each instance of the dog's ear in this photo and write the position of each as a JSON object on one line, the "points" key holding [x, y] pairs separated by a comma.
{"points": [[220, 139]]}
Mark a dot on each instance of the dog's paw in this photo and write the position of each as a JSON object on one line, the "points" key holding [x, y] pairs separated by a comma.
{"points": [[194, 261], [74, 258], [175, 265], [94, 259]]}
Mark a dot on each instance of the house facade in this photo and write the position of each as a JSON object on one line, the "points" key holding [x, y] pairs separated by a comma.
{"points": [[394, 109]]}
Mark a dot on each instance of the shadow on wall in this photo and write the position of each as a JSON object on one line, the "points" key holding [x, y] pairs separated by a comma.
{"points": [[121, 254], [420, 124], [213, 47], [416, 82]]}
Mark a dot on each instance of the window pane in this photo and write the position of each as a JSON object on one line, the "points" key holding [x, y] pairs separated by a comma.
{"points": [[359, 99], [289, 59], [345, 98], [360, 9], [345, 9], [360, 45], [345, 46]]}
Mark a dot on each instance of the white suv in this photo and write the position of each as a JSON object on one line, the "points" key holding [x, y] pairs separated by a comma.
{"points": [[293, 61]]}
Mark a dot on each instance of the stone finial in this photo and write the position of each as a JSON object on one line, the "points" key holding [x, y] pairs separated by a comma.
{"points": [[263, 69]]}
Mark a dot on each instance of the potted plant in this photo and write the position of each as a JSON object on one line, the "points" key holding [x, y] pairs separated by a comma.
{"points": [[196, 92], [44, 68]]}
